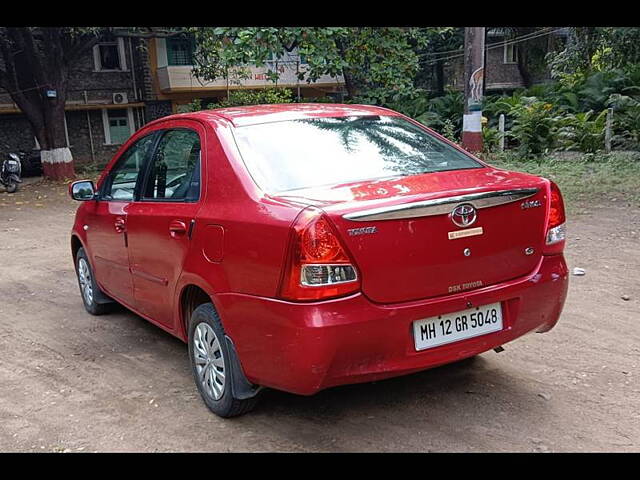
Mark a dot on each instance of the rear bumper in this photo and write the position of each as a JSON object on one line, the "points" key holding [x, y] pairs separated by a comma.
{"points": [[303, 348]]}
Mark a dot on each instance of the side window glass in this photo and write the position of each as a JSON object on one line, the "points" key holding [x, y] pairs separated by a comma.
{"points": [[121, 182], [174, 173]]}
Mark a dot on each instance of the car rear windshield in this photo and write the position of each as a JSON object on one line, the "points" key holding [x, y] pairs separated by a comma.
{"points": [[297, 154]]}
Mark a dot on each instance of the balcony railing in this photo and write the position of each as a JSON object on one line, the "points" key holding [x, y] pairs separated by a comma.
{"points": [[181, 78]]}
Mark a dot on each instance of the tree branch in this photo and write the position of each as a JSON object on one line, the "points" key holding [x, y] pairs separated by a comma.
{"points": [[10, 76], [32, 57], [3, 80]]}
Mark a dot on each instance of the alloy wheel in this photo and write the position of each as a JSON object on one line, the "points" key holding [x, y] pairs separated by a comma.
{"points": [[84, 277], [209, 361]]}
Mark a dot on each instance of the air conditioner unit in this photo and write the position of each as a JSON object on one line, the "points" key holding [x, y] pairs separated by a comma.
{"points": [[120, 97]]}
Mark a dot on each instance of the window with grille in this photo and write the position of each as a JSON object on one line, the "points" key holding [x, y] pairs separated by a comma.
{"points": [[180, 51]]}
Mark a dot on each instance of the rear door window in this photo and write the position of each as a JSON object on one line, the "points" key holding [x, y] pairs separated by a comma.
{"points": [[174, 172]]}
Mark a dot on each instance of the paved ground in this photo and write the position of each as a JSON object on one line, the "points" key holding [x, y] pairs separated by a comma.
{"points": [[73, 382]]}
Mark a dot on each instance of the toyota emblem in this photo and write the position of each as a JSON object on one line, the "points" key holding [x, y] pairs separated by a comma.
{"points": [[464, 215]]}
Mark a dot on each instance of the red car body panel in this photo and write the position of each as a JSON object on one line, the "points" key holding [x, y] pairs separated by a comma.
{"points": [[417, 252], [239, 246], [303, 348]]}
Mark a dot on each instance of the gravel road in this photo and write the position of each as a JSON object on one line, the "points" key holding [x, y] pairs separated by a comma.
{"points": [[70, 382]]}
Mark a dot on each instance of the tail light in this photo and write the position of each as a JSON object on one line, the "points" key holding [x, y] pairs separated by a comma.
{"points": [[318, 266], [556, 229]]}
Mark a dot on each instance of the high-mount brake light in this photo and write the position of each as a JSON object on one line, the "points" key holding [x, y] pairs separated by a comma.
{"points": [[318, 266], [556, 227]]}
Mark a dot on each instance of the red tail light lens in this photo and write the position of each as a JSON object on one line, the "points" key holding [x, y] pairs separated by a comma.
{"points": [[556, 230], [319, 244], [556, 207], [318, 266]]}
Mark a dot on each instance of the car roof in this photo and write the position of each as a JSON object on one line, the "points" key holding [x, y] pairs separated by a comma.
{"points": [[251, 115]]}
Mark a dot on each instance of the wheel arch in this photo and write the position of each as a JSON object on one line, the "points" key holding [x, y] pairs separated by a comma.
{"points": [[76, 244], [191, 297]]}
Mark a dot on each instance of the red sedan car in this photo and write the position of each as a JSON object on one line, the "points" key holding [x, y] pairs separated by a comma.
{"points": [[304, 246]]}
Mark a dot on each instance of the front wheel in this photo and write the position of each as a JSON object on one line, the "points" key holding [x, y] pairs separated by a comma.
{"points": [[88, 287], [213, 365], [12, 187]]}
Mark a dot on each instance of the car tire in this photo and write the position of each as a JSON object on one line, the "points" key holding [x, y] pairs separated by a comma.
{"points": [[89, 290], [213, 365]]}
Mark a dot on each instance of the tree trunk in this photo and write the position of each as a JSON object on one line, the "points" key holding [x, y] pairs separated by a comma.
{"points": [[33, 67], [348, 78], [348, 84], [57, 161]]}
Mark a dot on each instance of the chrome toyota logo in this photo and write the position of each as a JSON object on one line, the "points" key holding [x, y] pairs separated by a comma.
{"points": [[464, 215]]}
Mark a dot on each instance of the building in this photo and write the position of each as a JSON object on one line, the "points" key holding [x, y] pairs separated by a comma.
{"points": [[104, 105], [502, 73], [173, 82], [127, 81]]}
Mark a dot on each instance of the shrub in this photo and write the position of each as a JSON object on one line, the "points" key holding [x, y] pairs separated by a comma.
{"points": [[490, 139], [242, 97], [626, 121], [412, 105], [193, 106], [626, 127], [535, 127], [257, 97], [583, 132], [445, 112]]}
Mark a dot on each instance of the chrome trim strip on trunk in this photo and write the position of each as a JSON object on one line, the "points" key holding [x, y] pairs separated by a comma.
{"points": [[440, 206]]}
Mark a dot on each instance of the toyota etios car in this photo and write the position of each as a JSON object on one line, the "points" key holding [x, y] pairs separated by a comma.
{"points": [[304, 246]]}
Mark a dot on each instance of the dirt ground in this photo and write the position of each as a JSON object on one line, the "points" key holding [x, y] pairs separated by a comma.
{"points": [[71, 382]]}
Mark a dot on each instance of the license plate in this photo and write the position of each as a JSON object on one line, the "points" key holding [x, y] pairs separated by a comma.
{"points": [[452, 327]]}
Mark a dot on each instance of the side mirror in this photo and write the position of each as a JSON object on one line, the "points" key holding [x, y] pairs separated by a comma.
{"points": [[82, 190]]}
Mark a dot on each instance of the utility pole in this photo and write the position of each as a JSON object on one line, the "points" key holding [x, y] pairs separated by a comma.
{"points": [[473, 88]]}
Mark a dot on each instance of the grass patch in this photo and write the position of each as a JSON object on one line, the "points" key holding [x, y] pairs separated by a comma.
{"points": [[583, 178]]}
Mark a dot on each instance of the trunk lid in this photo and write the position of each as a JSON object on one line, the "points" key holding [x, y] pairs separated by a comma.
{"points": [[401, 234]]}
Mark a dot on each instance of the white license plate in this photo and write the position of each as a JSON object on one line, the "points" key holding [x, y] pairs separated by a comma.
{"points": [[452, 327]]}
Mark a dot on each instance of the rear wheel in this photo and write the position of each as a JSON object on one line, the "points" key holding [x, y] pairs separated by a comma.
{"points": [[213, 365], [89, 290]]}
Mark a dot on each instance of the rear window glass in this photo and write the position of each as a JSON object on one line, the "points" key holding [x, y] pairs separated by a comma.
{"points": [[296, 154]]}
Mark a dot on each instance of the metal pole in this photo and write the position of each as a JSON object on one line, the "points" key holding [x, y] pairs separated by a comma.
{"points": [[501, 130], [93, 155], [133, 72], [473, 88]]}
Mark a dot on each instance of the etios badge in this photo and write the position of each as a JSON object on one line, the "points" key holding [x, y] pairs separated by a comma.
{"points": [[464, 215]]}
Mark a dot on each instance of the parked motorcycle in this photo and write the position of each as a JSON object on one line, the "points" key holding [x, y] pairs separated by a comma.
{"points": [[30, 163], [10, 173]]}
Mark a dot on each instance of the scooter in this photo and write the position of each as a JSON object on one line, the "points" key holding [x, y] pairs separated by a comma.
{"points": [[10, 173]]}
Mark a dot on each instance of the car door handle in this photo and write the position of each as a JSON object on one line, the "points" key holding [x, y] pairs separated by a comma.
{"points": [[120, 225], [177, 227]]}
